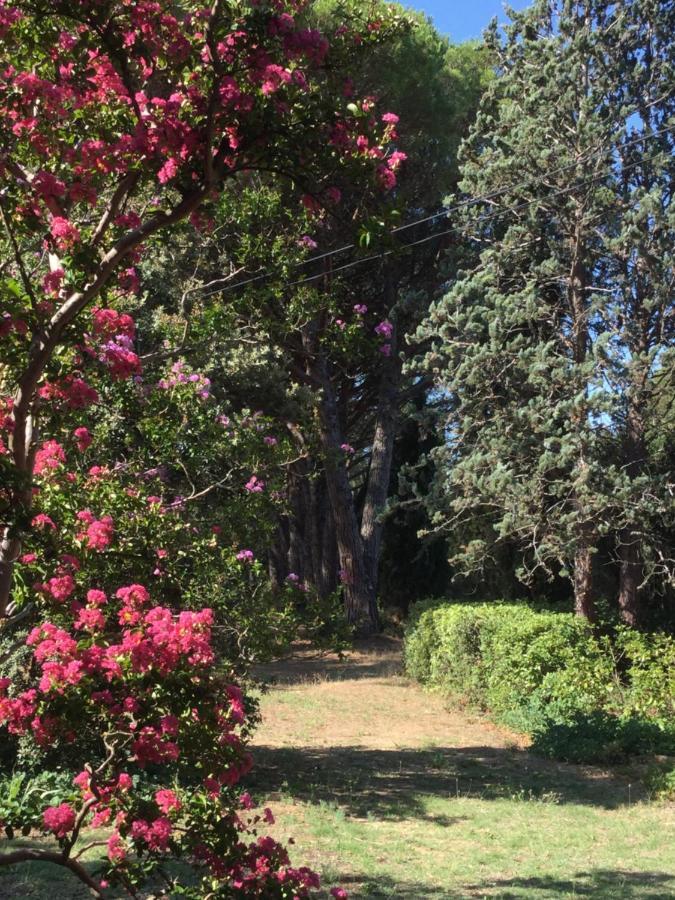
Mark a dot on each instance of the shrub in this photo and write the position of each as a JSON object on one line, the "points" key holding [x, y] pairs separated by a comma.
{"points": [[581, 696]]}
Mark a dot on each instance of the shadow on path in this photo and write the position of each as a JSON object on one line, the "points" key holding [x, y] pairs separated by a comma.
{"points": [[598, 884], [391, 784], [375, 658]]}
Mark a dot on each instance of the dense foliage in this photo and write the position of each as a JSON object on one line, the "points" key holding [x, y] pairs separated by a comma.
{"points": [[582, 696], [122, 121], [556, 335]]}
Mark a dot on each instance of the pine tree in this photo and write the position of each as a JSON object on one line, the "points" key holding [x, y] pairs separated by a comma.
{"points": [[547, 345]]}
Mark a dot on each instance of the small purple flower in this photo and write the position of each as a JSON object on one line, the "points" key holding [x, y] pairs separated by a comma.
{"points": [[360, 309], [245, 556], [385, 329], [270, 440], [385, 349], [307, 241]]}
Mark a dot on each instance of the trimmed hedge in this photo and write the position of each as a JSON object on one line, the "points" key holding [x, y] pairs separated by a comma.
{"points": [[581, 697]]}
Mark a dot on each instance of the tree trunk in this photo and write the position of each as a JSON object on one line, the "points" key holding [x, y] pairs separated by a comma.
{"points": [[359, 594], [631, 570], [629, 578], [584, 600], [379, 473]]}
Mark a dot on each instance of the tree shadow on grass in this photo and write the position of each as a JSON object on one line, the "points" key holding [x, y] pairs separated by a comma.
{"points": [[598, 884], [601, 884], [392, 784], [377, 658], [47, 881]]}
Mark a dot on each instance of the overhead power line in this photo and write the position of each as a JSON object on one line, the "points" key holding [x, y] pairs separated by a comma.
{"points": [[444, 213]]}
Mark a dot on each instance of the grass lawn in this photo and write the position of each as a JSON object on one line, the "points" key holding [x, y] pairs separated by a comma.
{"points": [[390, 794]]}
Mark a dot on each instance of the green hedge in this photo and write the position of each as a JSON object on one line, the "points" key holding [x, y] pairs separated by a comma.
{"points": [[581, 697]]}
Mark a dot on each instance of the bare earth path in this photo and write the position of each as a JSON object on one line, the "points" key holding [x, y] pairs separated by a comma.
{"points": [[391, 794]]}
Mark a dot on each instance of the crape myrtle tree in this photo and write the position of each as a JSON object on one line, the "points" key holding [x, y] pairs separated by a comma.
{"points": [[557, 332], [120, 121]]}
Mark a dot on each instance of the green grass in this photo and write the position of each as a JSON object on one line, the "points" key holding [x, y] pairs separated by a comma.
{"points": [[391, 795], [490, 848], [462, 811]]}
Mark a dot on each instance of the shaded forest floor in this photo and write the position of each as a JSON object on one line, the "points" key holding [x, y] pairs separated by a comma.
{"points": [[391, 794]]}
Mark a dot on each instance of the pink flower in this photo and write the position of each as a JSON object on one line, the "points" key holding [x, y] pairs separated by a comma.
{"points": [[42, 521], [390, 118], [361, 309], [64, 233], [339, 893], [347, 448], [124, 782], [116, 849], [90, 620], [245, 556], [49, 457], [133, 595], [386, 177], [395, 160], [385, 329], [270, 440], [61, 587], [96, 597], [255, 485], [59, 819], [51, 283], [108, 323], [168, 171], [307, 241], [100, 533], [167, 801], [82, 438], [159, 834], [385, 349]]}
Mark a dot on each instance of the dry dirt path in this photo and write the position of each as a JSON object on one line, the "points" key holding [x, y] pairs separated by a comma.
{"points": [[392, 794]]}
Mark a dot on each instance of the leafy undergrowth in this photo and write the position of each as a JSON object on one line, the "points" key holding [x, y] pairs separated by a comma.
{"points": [[391, 795]]}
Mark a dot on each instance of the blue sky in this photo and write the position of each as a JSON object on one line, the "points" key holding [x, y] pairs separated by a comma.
{"points": [[464, 19]]}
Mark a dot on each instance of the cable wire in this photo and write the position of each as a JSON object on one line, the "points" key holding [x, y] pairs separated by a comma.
{"points": [[446, 212]]}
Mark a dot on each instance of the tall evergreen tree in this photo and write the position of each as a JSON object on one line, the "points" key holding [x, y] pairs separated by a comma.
{"points": [[548, 344]]}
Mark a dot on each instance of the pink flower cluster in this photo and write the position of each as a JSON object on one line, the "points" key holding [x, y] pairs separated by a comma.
{"points": [[74, 391], [179, 375], [49, 457], [255, 485], [99, 532], [245, 556], [59, 819]]}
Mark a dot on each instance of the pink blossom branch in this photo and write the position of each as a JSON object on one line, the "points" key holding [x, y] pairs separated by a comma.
{"points": [[43, 346]]}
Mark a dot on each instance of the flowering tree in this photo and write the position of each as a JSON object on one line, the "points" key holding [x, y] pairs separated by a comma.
{"points": [[145, 683], [121, 119]]}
